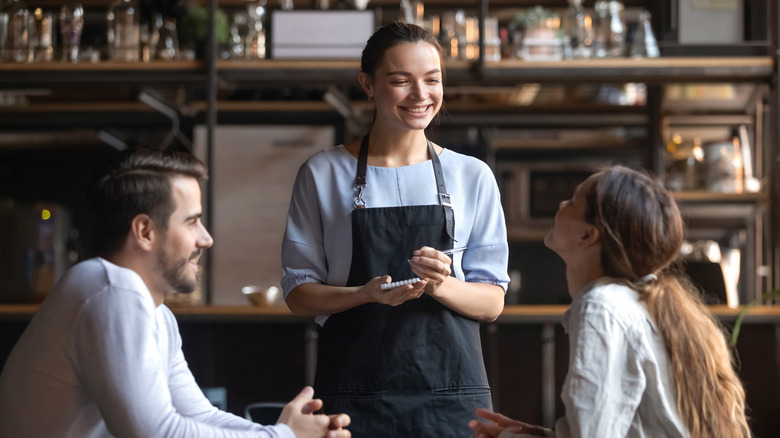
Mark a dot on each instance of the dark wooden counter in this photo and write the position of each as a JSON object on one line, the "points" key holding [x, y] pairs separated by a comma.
{"points": [[268, 354], [522, 314]]}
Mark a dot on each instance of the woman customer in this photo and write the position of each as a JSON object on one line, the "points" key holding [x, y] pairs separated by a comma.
{"points": [[405, 361], [646, 358]]}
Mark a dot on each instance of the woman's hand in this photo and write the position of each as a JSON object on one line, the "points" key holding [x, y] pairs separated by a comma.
{"points": [[497, 423], [432, 265], [395, 296]]}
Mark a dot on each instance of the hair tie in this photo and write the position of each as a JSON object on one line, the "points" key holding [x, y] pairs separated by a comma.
{"points": [[648, 278]]}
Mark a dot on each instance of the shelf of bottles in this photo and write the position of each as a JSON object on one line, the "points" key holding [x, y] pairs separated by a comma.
{"points": [[518, 44]]}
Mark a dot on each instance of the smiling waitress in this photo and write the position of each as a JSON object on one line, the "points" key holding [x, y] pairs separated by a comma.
{"points": [[405, 361]]}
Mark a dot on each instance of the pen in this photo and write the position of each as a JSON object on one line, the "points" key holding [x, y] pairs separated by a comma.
{"points": [[454, 250], [395, 284]]}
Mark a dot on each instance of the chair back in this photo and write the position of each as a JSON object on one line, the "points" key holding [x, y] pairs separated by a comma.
{"points": [[264, 412]]}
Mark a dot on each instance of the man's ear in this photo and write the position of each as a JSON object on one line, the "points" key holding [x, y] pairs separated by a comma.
{"points": [[144, 231], [365, 82], [590, 236]]}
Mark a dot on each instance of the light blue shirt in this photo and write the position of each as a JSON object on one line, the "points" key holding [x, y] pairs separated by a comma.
{"points": [[317, 245]]}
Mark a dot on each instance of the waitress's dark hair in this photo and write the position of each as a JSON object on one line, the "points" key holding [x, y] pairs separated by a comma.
{"points": [[138, 182], [641, 232], [391, 35]]}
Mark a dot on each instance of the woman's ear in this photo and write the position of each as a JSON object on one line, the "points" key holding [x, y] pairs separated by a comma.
{"points": [[590, 236], [365, 82]]}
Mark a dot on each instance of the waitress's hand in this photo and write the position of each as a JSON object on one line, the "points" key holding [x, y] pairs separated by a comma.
{"points": [[432, 265], [395, 296]]}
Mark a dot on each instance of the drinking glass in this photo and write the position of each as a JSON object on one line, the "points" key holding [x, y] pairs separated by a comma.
{"points": [[168, 42], [43, 35], [124, 31], [20, 22], [71, 24], [3, 35]]}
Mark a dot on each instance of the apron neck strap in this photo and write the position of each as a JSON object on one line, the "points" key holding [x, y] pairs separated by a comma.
{"points": [[444, 197], [360, 178]]}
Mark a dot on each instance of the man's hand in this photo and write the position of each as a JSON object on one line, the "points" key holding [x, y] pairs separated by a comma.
{"points": [[337, 424], [299, 416]]}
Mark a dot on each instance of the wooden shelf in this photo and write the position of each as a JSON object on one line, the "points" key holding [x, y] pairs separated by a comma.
{"points": [[523, 314], [511, 71], [50, 73], [738, 208], [633, 70], [277, 106], [80, 107], [297, 72], [715, 197], [103, 66]]}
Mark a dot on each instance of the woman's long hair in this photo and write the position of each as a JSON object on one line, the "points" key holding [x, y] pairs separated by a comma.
{"points": [[641, 233]]}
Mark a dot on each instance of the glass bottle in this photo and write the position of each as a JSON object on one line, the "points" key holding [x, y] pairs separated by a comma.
{"points": [[168, 43], [124, 31], [644, 44], [448, 38], [611, 31], [578, 36], [71, 25], [617, 30], [43, 35], [255, 42], [238, 30], [19, 34]]}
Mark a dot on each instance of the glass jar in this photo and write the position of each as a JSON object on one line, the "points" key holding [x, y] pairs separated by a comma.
{"points": [[611, 31], [578, 32], [124, 31], [19, 46]]}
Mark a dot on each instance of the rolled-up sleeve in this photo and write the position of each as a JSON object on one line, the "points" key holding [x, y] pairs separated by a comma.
{"points": [[487, 258], [303, 252]]}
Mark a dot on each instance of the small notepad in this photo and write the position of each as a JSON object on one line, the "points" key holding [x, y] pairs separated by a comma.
{"points": [[394, 284]]}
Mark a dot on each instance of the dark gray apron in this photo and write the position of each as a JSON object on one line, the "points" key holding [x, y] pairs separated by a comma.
{"points": [[413, 370]]}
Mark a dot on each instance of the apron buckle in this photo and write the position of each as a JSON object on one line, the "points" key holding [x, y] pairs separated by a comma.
{"points": [[359, 202], [445, 200]]}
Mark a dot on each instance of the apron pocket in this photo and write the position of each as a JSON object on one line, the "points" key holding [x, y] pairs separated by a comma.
{"points": [[461, 391], [349, 395]]}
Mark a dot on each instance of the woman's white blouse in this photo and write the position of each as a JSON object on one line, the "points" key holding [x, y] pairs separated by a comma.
{"points": [[619, 383], [317, 246]]}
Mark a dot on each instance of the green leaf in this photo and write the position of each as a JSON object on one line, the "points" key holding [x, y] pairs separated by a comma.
{"points": [[746, 310]]}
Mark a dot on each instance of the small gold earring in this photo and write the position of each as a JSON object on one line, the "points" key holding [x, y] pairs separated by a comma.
{"points": [[370, 97]]}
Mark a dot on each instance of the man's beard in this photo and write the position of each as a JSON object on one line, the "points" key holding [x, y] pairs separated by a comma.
{"points": [[175, 272]]}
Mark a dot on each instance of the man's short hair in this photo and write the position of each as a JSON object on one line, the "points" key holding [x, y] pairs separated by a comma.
{"points": [[139, 182]]}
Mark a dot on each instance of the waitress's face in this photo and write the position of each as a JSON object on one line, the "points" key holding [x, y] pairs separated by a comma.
{"points": [[407, 87], [570, 226]]}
